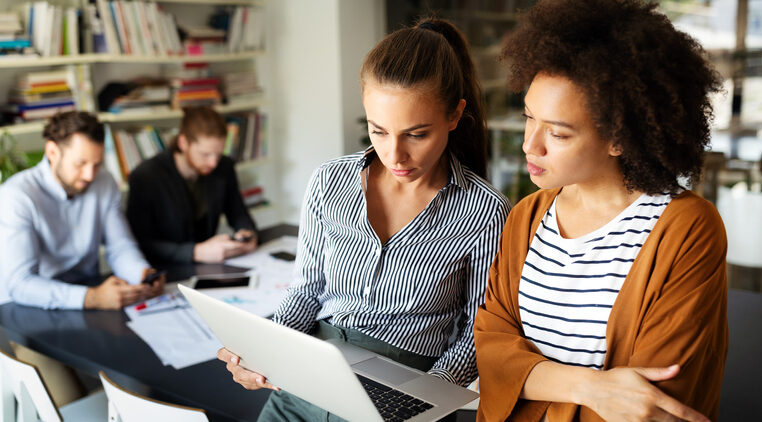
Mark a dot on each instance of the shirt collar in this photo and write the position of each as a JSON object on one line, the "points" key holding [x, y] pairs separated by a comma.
{"points": [[49, 182], [456, 175]]}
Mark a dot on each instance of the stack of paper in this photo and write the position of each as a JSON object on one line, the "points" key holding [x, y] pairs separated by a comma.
{"points": [[178, 335], [173, 330]]}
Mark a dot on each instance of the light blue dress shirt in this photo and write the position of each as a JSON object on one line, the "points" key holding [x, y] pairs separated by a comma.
{"points": [[49, 242]]}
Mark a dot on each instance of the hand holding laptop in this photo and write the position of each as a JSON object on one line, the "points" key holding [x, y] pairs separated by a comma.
{"points": [[248, 379]]}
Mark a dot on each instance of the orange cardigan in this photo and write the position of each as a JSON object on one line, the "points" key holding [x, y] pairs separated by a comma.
{"points": [[672, 308]]}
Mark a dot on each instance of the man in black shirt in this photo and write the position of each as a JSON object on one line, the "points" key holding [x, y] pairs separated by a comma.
{"points": [[176, 198]]}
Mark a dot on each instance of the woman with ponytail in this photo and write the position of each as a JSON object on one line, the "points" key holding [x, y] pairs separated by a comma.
{"points": [[395, 242]]}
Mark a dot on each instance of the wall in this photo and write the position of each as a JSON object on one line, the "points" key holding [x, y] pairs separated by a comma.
{"points": [[315, 49]]}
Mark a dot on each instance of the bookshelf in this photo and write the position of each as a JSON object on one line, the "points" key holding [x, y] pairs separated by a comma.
{"points": [[104, 67], [35, 61]]}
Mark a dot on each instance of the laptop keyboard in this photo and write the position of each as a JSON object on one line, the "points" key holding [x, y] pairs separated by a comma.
{"points": [[393, 405]]}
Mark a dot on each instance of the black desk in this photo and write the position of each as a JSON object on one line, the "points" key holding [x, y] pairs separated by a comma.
{"points": [[99, 340]]}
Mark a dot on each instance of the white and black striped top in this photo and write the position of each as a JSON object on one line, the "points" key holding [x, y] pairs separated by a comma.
{"points": [[568, 286], [409, 291]]}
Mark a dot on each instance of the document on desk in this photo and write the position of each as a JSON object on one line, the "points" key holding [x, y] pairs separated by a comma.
{"points": [[178, 335], [273, 267], [173, 330], [263, 256]]}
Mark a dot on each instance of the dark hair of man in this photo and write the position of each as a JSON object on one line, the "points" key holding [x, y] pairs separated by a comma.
{"points": [[62, 126], [434, 55], [647, 85], [200, 121]]}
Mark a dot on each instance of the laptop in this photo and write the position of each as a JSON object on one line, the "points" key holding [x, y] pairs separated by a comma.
{"points": [[346, 380]]}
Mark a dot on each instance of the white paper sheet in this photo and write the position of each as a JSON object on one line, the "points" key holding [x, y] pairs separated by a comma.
{"points": [[178, 336], [262, 258], [259, 301]]}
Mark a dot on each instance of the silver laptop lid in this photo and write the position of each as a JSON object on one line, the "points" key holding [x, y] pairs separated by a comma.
{"points": [[296, 362]]}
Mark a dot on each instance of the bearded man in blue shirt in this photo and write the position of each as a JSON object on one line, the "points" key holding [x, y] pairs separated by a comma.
{"points": [[54, 218]]}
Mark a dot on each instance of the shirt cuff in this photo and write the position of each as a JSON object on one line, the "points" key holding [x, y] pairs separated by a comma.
{"points": [[75, 297], [441, 373]]}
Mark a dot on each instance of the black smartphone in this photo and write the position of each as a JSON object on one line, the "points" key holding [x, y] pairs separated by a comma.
{"points": [[242, 238], [208, 283], [286, 256], [150, 278]]}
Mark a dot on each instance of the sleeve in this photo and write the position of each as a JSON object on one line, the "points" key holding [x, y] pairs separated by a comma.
{"points": [[139, 213], [458, 363], [687, 322], [20, 249], [235, 210], [122, 252], [300, 307], [504, 357]]}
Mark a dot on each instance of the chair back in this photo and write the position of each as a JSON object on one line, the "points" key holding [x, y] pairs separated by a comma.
{"points": [[126, 406], [20, 383]]}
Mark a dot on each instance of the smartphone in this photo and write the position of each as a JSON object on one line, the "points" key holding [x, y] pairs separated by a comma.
{"points": [[209, 282], [242, 239], [150, 278], [286, 256]]}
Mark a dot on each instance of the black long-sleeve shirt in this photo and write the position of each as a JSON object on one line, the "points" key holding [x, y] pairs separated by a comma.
{"points": [[161, 208]]}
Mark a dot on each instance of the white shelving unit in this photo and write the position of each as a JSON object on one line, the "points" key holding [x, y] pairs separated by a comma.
{"points": [[136, 117], [9, 62], [121, 67]]}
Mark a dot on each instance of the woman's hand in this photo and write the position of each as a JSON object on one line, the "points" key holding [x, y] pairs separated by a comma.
{"points": [[626, 394], [248, 379]]}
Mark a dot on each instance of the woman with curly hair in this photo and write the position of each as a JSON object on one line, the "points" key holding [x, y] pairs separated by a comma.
{"points": [[607, 298]]}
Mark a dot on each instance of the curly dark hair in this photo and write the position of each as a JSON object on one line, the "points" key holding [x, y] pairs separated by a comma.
{"points": [[646, 84], [61, 126]]}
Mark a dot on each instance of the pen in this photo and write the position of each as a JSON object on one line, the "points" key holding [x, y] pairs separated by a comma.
{"points": [[165, 298]]}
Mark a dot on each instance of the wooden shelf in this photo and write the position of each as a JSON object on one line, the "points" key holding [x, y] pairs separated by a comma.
{"points": [[229, 57], [128, 117], [23, 128], [10, 62], [164, 114], [259, 3]]}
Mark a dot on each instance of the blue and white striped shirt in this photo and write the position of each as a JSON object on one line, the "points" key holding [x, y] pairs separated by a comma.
{"points": [[568, 286], [409, 291]]}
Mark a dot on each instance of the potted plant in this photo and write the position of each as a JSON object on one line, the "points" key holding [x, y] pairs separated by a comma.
{"points": [[12, 160]]}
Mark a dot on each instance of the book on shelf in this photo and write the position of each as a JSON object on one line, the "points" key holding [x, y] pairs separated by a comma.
{"points": [[125, 149], [38, 95], [247, 139], [13, 40], [239, 87], [244, 26], [253, 196]]}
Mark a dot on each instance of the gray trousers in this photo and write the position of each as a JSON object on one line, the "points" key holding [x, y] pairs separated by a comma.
{"points": [[283, 406]]}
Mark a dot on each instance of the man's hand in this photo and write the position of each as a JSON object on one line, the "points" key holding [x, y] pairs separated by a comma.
{"points": [[115, 293], [157, 287], [247, 241], [216, 249]]}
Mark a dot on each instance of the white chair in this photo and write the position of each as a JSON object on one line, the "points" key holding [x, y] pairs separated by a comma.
{"points": [[25, 398], [126, 406]]}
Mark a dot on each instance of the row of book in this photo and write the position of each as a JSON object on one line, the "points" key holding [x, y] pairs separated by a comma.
{"points": [[39, 95], [12, 37], [125, 149], [190, 86], [127, 27], [247, 136], [243, 25], [136, 28]]}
